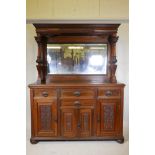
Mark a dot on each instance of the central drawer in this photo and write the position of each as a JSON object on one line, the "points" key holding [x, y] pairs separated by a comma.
{"points": [[78, 93], [72, 102]]}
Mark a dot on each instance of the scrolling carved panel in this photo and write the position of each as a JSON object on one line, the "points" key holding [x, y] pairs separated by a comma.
{"points": [[45, 117], [85, 122], [108, 111], [108, 116], [68, 122]]}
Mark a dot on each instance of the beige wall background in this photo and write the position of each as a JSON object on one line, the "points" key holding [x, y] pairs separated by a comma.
{"points": [[77, 9]]}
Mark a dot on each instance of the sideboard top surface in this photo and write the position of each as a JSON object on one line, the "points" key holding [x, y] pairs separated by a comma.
{"points": [[75, 84]]}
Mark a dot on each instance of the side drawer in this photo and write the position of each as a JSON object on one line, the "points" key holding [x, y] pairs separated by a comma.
{"points": [[109, 93], [73, 102], [45, 93], [78, 93]]}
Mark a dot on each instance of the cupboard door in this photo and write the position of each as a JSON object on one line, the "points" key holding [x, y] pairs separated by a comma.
{"points": [[45, 114], [85, 122], [68, 122], [108, 117]]}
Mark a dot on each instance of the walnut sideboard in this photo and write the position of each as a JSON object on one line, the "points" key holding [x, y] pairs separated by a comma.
{"points": [[76, 95], [76, 111]]}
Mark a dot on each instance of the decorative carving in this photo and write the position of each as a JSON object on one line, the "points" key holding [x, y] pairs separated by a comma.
{"points": [[113, 39], [42, 72], [41, 39], [41, 58], [86, 118], [114, 60], [113, 71], [108, 117], [45, 117], [68, 120]]}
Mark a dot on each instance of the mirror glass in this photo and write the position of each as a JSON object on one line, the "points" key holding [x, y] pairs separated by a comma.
{"points": [[77, 58]]}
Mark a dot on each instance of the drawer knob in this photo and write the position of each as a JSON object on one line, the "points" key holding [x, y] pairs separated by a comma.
{"points": [[77, 93], [108, 93], [78, 125], [98, 118], [77, 103], [45, 94]]}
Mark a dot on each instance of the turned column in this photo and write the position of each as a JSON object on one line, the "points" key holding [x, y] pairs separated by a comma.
{"points": [[41, 58], [112, 40]]}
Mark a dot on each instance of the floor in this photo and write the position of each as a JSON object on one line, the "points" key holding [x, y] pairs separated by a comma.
{"points": [[79, 148]]}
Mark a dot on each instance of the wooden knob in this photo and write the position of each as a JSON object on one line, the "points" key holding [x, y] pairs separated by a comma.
{"points": [[98, 118], [108, 93], [77, 93], [45, 94], [79, 125], [77, 103]]}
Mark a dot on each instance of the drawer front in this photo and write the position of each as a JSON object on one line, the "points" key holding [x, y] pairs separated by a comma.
{"points": [[109, 93], [45, 93], [77, 102], [78, 93]]}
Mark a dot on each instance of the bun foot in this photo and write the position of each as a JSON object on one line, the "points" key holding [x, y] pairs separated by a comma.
{"points": [[33, 141], [120, 141]]}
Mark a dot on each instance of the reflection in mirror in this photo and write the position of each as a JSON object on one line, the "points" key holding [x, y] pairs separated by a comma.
{"points": [[77, 58]]}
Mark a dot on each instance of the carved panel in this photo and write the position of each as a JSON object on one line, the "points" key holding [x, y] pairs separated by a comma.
{"points": [[108, 116], [108, 112], [45, 117], [68, 122], [85, 122]]}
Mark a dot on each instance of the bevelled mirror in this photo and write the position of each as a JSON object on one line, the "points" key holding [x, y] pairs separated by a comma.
{"points": [[77, 58]]}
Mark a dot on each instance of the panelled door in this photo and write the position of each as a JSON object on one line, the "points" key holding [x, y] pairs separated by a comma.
{"points": [[85, 124], [76, 120], [45, 117], [68, 121], [108, 117]]}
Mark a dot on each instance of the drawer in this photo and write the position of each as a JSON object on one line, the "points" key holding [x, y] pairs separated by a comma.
{"points": [[77, 102], [109, 93], [45, 93], [78, 93]]}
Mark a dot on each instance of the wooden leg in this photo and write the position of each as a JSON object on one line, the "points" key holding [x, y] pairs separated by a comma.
{"points": [[33, 141], [120, 141]]}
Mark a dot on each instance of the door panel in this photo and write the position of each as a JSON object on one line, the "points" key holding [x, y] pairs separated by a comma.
{"points": [[68, 122], [108, 117], [85, 122], [46, 120]]}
